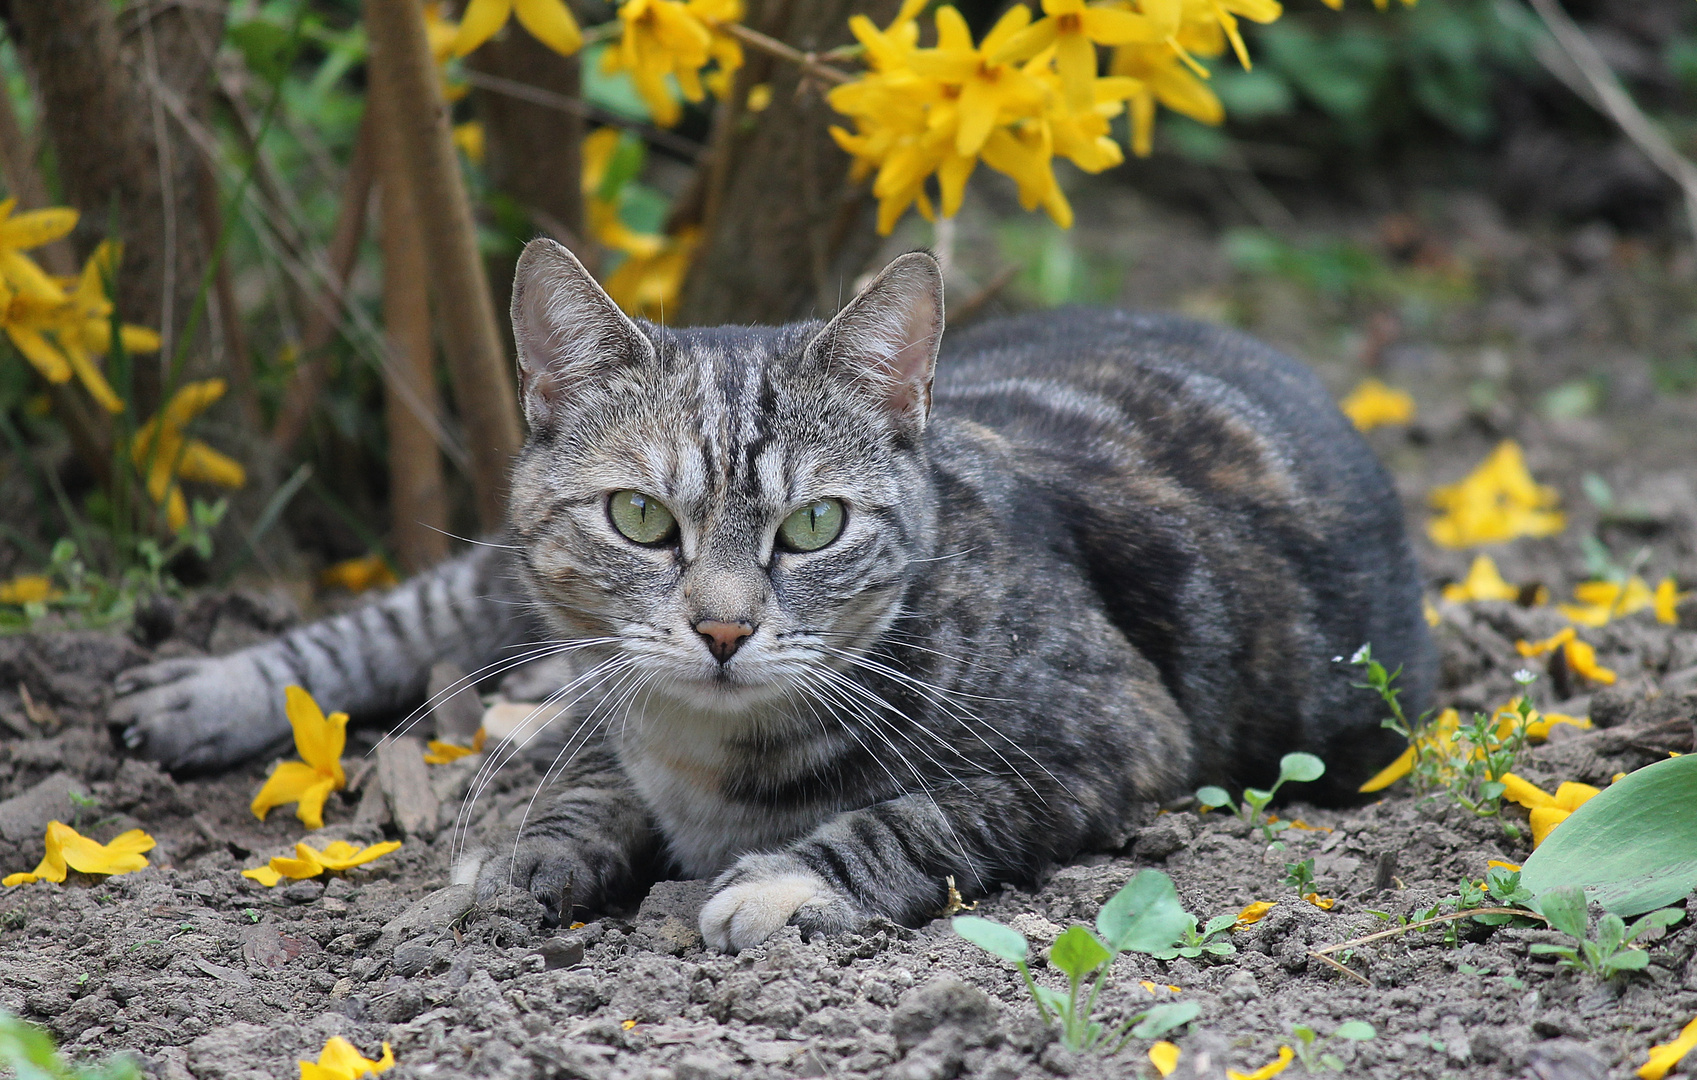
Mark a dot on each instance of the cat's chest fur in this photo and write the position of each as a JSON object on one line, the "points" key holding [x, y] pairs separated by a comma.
{"points": [[687, 772]]}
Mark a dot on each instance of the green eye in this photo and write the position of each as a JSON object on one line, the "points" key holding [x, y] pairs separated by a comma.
{"points": [[813, 526], [641, 518]]}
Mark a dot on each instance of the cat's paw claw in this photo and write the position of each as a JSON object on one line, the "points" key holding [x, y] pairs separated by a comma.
{"points": [[195, 714], [548, 869], [762, 894]]}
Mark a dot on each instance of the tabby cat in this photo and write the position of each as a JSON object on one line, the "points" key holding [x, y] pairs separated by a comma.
{"points": [[840, 631]]}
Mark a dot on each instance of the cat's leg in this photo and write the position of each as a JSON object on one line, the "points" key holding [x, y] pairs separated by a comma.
{"points": [[210, 712], [889, 859], [587, 842]]}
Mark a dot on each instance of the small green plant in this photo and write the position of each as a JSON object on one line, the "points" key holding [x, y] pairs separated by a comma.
{"points": [[1462, 760], [1501, 888], [1145, 916], [1293, 768], [1194, 942], [1613, 950], [1312, 1048], [1300, 876], [28, 1053]]}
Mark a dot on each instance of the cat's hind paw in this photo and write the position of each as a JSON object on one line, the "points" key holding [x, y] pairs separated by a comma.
{"points": [[762, 894]]}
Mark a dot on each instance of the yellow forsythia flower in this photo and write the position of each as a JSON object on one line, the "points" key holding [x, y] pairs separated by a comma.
{"points": [[1667, 1055], [28, 589], [679, 39], [165, 455], [1267, 1071], [441, 753], [30, 230], [308, 782], [308, 862], [1373, 403], [1497, 502], [1439, 738], [1254, 913], [1164, 1056], [549, 21], [1667, 601], [340, 1061], [358, 575], [69, 849], [1483, 582], [1548, 810]]}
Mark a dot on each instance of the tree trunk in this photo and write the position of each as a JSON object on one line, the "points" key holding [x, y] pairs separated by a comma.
{"points": [[120, 155], [481, 373], [786, 233], [418, 498]]}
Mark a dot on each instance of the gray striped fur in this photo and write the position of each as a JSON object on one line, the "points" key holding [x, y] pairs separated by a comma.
{"points": [[1113, 559]]}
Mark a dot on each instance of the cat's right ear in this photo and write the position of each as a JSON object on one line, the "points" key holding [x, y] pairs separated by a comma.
{"points": [[567, 329]]}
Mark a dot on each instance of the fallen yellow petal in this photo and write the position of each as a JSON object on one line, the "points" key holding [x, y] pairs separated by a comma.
{"points": [[1483, 582], [340, 1061], [308, 862], [1582, 660], [68, 849], [1531, 649], [1501, 865], [1390, 774], [28, 589], [1164, 1056], [1324, 903], [264, 875], [627, 1024], [441, 753], [1254, 913], [1667, 601], [1373, 403], [1525, 792], [1667, 1055], [1267, 1071]]}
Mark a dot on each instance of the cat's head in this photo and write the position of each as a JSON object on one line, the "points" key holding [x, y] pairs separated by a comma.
{"points": [[730, 508]]}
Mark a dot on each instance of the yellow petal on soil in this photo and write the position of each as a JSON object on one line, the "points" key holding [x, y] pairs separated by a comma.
{"points": [[1267, 1071], [67, 848], [1667, 600], [11, 880], [1501, 865], [441, 753], [1373, 403], [1571, 796], [1667, 1055], [341, 855], [1324, 903], [288, 782], [265, 875], [1164, 1056], [1531, 649], [339, 1060], [28, 589], [1524, 792], [1390, 774], [1254, 913], [550, 22], [1545, 819], [1483, 582], [1582, 660], [319, 739]]}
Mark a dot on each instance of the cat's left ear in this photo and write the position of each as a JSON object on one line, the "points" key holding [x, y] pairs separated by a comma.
{"points": [[887, 338]]}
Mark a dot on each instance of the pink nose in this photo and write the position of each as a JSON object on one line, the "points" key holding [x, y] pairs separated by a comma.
{"points": [[723, 638]]}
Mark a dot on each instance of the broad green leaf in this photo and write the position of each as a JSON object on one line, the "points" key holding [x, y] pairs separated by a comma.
{"points": [[992, 937], [1564, 906], [1632, 848], [1218, 923], [1145, 916], [1629, 960], [1301, 768], [1211, 797], [1545, 948], [1256, 797], [1054, 1000], [1077, 952], [1663, 918], [1165, 1017], [1221, 948], [1355, 1031]]}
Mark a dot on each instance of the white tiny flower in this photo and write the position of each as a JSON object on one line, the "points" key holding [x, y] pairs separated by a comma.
{"points": [[1361, 654], [1524, 677], [1337, 659]]}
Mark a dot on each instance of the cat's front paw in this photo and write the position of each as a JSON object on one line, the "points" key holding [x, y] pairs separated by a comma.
{"points": [[197, 714], [550, 868], [761, 894]]}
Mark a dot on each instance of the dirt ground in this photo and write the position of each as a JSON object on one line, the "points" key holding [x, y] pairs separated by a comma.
{"points": [[198, 972]]}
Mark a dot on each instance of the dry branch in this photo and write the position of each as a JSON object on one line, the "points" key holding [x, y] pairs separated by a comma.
{"points": [[482, 377]]}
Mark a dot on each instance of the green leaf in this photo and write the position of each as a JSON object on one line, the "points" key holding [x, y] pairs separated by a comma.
{"points": [[1564, 906], [1221, 948], [1054, 1000], [1210, 797], [1628, 960], [1301, 768], [1543, 948], [266, 47], [1256, 797], [992, 937], [1145, 916], [1165, 1017], [1077, 952], [1355, 1031], [1632, 848], [1218, 923], [1664, 918]]}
